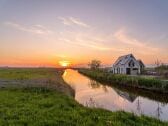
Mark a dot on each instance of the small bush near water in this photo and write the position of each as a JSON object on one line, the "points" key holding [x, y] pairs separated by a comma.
{"points": [[133, 81]]}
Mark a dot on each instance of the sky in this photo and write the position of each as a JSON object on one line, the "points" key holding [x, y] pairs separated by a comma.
{"points": [[54, 32]]}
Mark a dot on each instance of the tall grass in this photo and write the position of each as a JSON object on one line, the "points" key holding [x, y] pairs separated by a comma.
{"points": [[132, 81], [46, 107]]}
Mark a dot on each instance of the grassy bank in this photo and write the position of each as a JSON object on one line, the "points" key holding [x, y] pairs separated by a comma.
{"points": [[40, 97], [42, 106], [151, 84]]}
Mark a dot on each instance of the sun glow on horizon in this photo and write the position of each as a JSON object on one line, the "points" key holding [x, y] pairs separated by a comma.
{"points": [[64, 63]]}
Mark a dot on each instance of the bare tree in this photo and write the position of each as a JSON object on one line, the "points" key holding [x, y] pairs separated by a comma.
{"points": [[94, 64], [157, 63]]}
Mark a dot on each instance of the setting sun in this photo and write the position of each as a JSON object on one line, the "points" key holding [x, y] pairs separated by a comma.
{"points": [[64, 63]]}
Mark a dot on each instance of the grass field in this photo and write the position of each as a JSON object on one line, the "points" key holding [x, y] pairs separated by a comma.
{"points": [[28, 73], [46, 107], [53, 105], [34, 77]]}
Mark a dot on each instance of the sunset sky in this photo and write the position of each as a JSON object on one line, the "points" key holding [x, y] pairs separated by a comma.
{"points": [[53, 32]]}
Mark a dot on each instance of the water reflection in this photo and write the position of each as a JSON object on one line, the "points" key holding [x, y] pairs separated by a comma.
{"points": [[92, 103], [93, 94], [125, 95], [139, 106], [94, 84]]}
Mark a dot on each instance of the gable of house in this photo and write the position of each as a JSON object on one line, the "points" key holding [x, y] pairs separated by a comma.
{"points": [[142, 65], [127, 61]]}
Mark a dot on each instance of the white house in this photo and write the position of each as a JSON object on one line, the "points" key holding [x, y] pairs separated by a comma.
{"points": [[127, 64]]}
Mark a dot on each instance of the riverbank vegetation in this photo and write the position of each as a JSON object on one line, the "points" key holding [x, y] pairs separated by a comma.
{"points": [[162, 70], [146, 83], [40, 97]]}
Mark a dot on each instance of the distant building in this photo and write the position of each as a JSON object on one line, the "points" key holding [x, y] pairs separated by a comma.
{"points": [[128, 64]]}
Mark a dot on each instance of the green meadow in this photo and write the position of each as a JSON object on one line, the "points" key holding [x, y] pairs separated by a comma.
{"points": [[51, 103]]}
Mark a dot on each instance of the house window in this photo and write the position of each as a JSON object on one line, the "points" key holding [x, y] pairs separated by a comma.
{"points": [[131, 64]]}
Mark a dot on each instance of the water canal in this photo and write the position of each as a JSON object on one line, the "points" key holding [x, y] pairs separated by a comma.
{"points": [[94, 94]]}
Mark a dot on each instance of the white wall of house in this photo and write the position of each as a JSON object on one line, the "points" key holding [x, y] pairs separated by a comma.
{"points": [[121, 68]]}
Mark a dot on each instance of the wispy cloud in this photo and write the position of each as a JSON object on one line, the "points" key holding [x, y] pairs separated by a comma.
{"points": [[78, 22], [124, 38], [73, 21], [140, 46], [35, 29], [83, 43], [90, 40]]}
